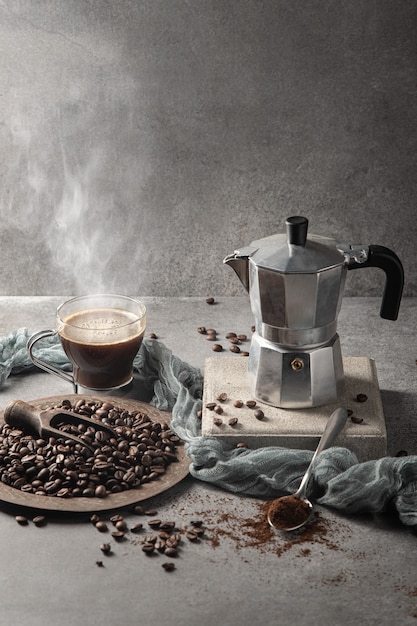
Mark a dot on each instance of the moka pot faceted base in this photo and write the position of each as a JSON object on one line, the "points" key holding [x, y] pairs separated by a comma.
{"points": [[295, 378]]}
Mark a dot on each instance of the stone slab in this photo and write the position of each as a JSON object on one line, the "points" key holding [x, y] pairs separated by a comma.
{"points": [[301, 428]]}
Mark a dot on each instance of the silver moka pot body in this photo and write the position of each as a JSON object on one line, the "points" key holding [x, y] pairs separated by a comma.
{"points": [[296, 285]]}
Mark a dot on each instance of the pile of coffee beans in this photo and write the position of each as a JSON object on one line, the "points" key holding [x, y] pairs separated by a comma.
{"points": [[140, 451]]}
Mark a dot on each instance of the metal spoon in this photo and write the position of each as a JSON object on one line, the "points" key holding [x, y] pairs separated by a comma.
{"points": [[297, 507]]}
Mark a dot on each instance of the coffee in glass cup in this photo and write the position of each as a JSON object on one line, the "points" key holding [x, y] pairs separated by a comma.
{"points": [[100, 334]]}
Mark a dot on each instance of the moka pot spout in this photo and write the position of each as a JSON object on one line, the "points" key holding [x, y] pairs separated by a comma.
{"points": [[240, 263]]}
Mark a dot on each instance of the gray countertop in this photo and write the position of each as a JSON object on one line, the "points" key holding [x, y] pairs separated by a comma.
{"points": [[357, 570]]}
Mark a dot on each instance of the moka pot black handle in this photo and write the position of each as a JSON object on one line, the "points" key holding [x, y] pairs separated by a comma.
{"points": [[387, 260]]}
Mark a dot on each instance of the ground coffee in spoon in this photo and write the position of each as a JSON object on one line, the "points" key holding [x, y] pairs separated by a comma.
{"points": [[289, 512]]}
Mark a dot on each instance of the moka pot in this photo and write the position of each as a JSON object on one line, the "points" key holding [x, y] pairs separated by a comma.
{"points": [[296, 284]]}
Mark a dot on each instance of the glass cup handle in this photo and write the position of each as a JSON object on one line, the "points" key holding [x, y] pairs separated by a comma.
{"points": [[42, 334]]}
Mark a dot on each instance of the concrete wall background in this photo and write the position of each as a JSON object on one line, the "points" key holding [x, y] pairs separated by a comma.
{"points": [[143, 140]]}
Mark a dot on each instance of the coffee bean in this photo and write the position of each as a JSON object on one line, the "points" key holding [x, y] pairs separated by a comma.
{"points": [[251, 404], [160, 545], [150, 512], [234, 348], [39, 520], [148, 548], [230, 335], [238, 404], [136, 528], [101, 526], [218, 409], [217, 421], [242, 337], [233, 421], [171, 551], [233, 340], [356, 420], [202, 330], [242, 444], [244, 354], [100, 491], [118, 535], [211, 337], [259, 414], [105, 548], [155, 523], [152, 336], [210, 300], [22, 520], [169, 566], [192, 536], [222, 397], [211, 406], [217, 347]]}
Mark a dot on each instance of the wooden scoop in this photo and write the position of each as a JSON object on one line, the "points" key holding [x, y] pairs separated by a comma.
{"points": [[28, 418]]}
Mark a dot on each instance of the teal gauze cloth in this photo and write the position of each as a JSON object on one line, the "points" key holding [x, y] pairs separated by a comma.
{"points": [[339, 480]]}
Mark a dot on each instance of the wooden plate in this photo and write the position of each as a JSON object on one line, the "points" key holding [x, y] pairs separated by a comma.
{"points": [[174, 474]]}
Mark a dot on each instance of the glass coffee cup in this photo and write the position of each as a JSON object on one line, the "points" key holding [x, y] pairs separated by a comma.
{"points": [[101, 335]]}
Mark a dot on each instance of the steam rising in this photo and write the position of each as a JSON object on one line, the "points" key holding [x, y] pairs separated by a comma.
{"points": [[80, 242], [69, 207]]}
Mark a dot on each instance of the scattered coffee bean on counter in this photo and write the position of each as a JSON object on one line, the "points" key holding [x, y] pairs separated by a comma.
{"points": [[222, 397], [169, 566], [210, 300], [105, 548], [141, 452], [232, 337]]}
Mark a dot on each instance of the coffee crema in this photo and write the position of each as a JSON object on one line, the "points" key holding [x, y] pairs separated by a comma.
{"points": [[101, 343]]}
